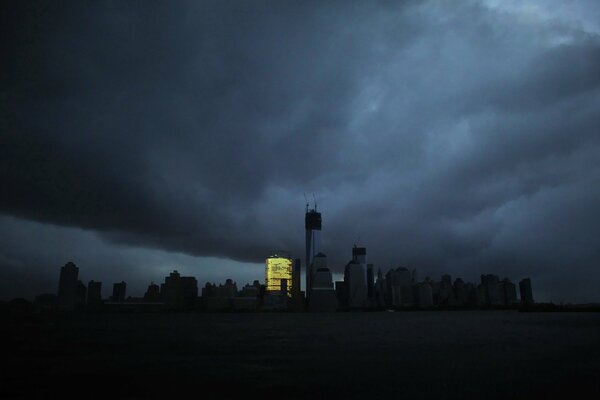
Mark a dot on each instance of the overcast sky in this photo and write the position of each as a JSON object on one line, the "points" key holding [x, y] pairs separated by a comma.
{"points": [[458, 137]]}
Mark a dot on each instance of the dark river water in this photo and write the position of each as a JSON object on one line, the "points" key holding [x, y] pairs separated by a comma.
{"points": [[460, 354]]}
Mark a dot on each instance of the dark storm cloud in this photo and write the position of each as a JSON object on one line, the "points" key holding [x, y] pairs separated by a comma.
{"points": [[449, 137]]}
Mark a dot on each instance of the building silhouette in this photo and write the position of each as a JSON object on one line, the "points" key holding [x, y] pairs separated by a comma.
{"points": [[296, 302], [370, 283], [509, 292], [152, 294], [247, 298], [94, 294], [296, 274], [380, 286], [526, 291], [355, 285], [322, 293], [355, 278], [312, 223], [492, 290], [80, 295], [67, 286], [424, 294], [118, 294], [179, 292], [461, 293], [399, 290]]}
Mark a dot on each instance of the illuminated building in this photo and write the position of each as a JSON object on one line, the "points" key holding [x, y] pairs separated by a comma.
{"points": [[278, 273], [312, 223]]}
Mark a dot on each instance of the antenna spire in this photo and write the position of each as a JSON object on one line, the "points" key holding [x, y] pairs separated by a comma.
{"points": [[315, 199]]}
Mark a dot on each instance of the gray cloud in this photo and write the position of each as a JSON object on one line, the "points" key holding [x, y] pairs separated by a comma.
{"points": [[455, 138]]}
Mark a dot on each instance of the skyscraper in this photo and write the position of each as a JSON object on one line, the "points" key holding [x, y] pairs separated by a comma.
{"points": [[370, 282], [323, 295], [179, 291], [312, 223], [526, 292], [296, 278], [359, 254], [356, 278], [278, 273], [94, 293], [67, 285], [119, 290], [356, 284]]}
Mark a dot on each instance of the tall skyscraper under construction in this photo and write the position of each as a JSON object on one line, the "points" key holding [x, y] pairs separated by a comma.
{"points": [[312, 223]]}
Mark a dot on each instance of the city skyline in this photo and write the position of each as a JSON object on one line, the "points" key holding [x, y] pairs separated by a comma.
{"points": [[313, 220], [457, 139], [363, 288]]}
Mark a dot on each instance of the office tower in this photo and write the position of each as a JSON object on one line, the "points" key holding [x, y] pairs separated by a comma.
{"points": [[341, 293], [380, 289], [399, 287], [228, 289], [447, 280], [356, 284], [322, 294], [119, 292], [278, 269], [247, 299], [445, 292], [323, 279], [461, 294], [370, 281], [480, 296], [180, 291], [508, 291], [359, 255], [296, 269], [424, 295], [94, 293], [493, 292], [355, 276], [249, 291], [67, 285], [189, 286], [172, 291], [80, 295], [152, 294], [312, 223], [526, 291]]}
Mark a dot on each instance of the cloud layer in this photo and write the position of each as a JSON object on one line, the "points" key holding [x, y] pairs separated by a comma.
{"points": [[458, 138]]}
